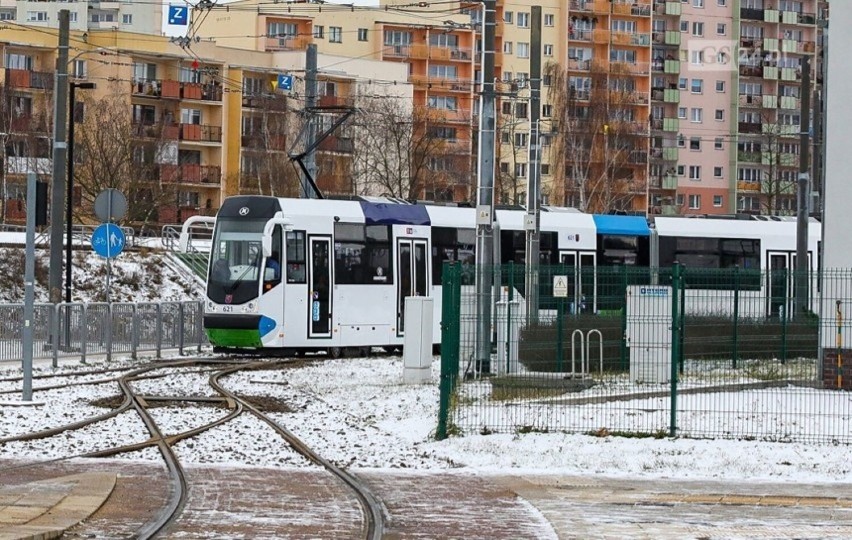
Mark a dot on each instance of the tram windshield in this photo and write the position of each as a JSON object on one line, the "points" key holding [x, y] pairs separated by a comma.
{"points": [[235, 258]]}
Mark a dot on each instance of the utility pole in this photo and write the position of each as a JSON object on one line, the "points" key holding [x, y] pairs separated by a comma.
{"points": [[29, 290], [804, 185], [485, 196], [57, 198], [310, 107], [532, 221]]}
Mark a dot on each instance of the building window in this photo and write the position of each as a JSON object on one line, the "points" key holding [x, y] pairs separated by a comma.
{"points": [[695, 143], [319, 31], [694, 202], [721, 29], [362, 34], [698, 3], [718, 143], [548, 19], [523, 50], [507, 47], [679, 199], [698, 29], [520, 140], [697, 86], [545, 169], [695, 172], [717, 172], [717, 201], [520, 170], [682, 83], [681, 170], [720, 86], [684, 26], [720, 115], [547, 110], [681, 112], [523, 20], [335, 34], [548, 50], [697, 58], [508, 17], [36, 16], [442, 102], [697, 115], [126, 18], [9, 16], [72, 17], [520, 110]]}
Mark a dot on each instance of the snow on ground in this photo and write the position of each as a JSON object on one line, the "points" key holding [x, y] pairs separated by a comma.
{"points": [[358, 413]]}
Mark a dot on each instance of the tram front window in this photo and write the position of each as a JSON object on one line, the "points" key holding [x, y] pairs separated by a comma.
{"points": [[235, 258]]}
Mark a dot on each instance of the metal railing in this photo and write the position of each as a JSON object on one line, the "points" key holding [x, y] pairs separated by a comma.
{"points": [[80, 331]]}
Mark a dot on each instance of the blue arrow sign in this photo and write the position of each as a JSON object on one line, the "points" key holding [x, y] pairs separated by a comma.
{"points": [[178, 15], [285, 82], [108, 240]]}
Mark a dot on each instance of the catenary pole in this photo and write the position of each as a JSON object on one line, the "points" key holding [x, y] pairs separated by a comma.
{"points": [[532, 222], [57, 198], [804, 192], [485, 193]]}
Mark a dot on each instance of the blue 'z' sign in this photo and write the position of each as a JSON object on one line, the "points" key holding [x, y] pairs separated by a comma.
{"points": [[178, 15]]}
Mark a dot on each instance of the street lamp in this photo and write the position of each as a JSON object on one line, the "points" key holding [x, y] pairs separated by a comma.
{"points": [[69, 199]]}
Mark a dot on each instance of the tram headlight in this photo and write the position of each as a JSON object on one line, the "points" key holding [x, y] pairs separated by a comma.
{"points": [[250, 308], [211, 306]]}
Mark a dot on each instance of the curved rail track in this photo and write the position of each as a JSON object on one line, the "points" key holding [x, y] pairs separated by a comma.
{"points": [[371, 508]]}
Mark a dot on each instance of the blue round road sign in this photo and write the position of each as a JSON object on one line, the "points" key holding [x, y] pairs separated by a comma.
{"points": [[108, 240]]}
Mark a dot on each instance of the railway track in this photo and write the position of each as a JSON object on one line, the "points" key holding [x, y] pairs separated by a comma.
{"points": [[131, 399]]}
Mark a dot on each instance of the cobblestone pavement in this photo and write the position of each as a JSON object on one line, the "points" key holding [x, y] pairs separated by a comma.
{"points": [[227, 502]]}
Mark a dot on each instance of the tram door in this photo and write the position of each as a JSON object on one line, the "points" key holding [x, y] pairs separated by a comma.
{"points": [[319, 287], [582, 280], [413, 280], [781, 282]]}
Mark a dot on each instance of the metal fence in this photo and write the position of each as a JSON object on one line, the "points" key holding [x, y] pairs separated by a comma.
{"points": [[99, 329], [650, 352]]}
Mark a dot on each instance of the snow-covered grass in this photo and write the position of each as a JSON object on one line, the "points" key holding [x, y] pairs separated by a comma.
{"points": [[358, 413]]}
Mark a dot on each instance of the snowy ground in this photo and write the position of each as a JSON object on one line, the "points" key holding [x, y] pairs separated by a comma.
{"points": [[358, 413]]}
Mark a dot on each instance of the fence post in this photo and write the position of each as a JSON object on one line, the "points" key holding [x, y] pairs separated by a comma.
{"points": [[84, 331], [676, 331], [784, 317], [509, 315], [134, 335], [735, 355], [624, 362], [54, 333], [450, 326], [159, 331], [109, 323], [199, 322], [560, 323], [180, 328]]}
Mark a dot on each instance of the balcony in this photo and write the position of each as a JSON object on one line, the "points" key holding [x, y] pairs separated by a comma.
{"points": [[631, 39], [190, 174], [24, 78], [751, 14], [748, 157], [341, 145], [750, 187], [672, 7], [200, 133], [749, 100], [334, 101], [633, 9], [170, 89], [287, 43], [580, 35], [751, 71], [169, 132], [750, 127], [24, 165], [264, 142], [578, 65]]}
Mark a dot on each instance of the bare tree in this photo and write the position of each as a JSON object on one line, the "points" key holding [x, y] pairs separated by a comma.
{"points": [[111, 151], [265, 167], [400, 151], [512, 150], [599, 143]]}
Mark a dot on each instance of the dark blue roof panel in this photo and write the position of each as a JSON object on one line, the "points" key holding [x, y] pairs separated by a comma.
{"points": [[621, 225], [394, 214]]}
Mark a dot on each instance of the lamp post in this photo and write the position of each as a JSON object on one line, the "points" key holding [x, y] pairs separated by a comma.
{"points": [[69, 209]]}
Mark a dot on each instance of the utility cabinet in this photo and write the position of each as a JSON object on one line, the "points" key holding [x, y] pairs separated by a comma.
{"points": [[417, 344], [649, 333]]}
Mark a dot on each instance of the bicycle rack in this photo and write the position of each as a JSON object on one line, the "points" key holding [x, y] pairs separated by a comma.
{"points": [[585, 350]]}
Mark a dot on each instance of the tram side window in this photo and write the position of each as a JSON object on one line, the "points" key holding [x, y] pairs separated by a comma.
{"points": [[453, 245], [362, 254], [296, 261], [714, 254]]}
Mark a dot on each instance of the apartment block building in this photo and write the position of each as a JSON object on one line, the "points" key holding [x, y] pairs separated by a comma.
{"points": [[204, 124], [437, 53], [140, 17]]}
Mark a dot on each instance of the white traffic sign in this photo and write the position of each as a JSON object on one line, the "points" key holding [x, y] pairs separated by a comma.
{"points": [[560, 286]]}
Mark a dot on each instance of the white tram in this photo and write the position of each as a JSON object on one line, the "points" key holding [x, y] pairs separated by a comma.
{"points": [[333, 275]]}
